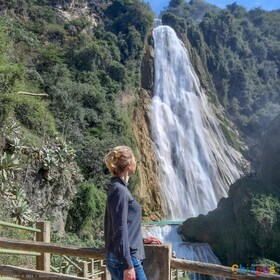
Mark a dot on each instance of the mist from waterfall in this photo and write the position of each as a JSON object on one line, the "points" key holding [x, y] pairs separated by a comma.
{"points": [[197, 163]]}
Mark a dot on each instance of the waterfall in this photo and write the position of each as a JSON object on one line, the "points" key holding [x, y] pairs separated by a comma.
{"points": [[197, 163], [184, 250]]}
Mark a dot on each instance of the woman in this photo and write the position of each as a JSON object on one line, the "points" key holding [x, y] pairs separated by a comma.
{"points": [[123, 237]]}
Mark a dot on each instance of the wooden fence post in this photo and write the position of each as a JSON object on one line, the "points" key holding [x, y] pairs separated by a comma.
{"points": [[84, 265], [157, 262], [105, 275], [43, 262]]}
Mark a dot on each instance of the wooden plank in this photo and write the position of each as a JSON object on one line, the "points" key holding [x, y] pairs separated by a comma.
{"points": [[18, 226], [23, 273], [218, 270], [33, 94], [42, 247], [16, 252]]}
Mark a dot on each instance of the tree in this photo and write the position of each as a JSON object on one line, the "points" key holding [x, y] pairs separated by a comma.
{"points": [[175, 3]]}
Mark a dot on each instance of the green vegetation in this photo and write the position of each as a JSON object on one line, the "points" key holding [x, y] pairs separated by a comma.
{"points": [[194, 10], [241, 52], [7, 259], [52, 148], [87, 212], [71, 239], [244, 227]]}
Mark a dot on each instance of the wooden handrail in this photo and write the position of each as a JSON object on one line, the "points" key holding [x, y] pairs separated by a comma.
{"points": [[43, 247], [187, 265], [23, 273], [218, 270], [18, 226], [16, 252]]}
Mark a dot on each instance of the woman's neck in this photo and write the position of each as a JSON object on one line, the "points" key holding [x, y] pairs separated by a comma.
{"points": [[125, 177]]}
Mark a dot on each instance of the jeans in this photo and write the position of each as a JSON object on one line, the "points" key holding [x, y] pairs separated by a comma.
{"points": [[116, 269]]}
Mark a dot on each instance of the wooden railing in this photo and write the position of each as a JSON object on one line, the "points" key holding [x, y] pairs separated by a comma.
{"points": [[219, 270], [42, 232], [86, 269], [158, 263]]}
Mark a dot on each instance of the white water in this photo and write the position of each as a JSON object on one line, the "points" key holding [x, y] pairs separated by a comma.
{"points": [[197, 163], [187, 250], [184, 250]]}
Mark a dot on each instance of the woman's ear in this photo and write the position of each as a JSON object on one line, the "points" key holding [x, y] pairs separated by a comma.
{"points": [[128, 168]]}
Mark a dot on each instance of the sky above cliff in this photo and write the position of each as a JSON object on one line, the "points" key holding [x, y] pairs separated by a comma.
{"points": [[159, 5]]}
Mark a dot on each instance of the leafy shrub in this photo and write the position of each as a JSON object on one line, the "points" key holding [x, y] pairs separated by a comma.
{"points": [[29, 111], [85, 218]]}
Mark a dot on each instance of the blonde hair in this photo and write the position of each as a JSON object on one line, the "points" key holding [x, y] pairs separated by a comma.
{"points": [[118, 159]]}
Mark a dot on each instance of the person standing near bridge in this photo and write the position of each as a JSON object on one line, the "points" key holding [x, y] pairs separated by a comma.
{"points": [[123, 236]]}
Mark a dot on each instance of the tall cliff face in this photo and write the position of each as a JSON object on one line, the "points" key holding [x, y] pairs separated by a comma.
{"points": [[149, 190]]}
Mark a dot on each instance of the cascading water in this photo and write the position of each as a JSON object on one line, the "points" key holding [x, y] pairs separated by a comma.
{"points": [[197, 163], [184, 250]]}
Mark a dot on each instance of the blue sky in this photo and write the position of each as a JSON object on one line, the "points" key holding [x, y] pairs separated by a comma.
{"points": [[158, 5]]}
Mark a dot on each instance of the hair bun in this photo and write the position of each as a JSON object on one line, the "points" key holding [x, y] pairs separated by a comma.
{"points": [[117, 160], [117, 154]]}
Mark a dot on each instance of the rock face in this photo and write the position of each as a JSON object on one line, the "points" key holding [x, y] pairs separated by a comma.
{"points": [[43, 182], [246, 225], [270, 160], [51, 196], [149, 191], [147, 69]]}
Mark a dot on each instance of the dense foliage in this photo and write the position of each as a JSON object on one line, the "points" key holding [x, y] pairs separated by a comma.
{"points": [[89, 202], [194, 10], [244, 228], [241, 51], [85, 55]]}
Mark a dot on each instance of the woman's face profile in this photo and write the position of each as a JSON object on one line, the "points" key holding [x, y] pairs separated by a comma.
{"points": [[132, 166]]}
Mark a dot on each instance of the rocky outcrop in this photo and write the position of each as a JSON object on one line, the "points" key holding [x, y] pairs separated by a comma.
{"points": [[51, 190], [38, 181], [244, 226], [147, 68], [149, 191], [270, 159]]}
